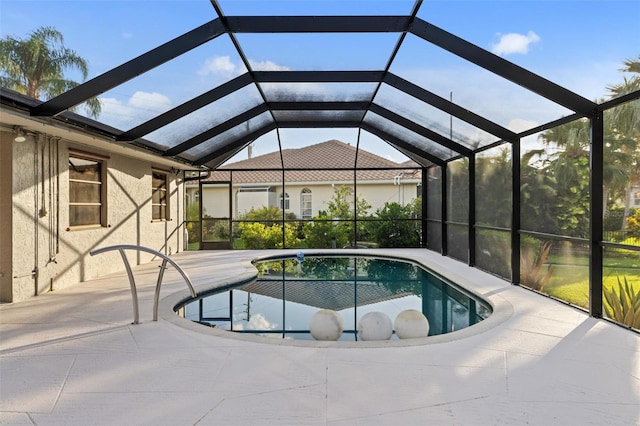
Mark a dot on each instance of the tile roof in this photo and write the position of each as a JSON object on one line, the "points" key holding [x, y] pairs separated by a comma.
{"points": [[320, 161]]}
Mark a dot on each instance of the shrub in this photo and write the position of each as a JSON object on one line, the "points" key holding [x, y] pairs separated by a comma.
{"points": [[624, 305], [269, 214], [216, 230], [323, 232], [336, 223], [393, 227], [258, 235], [633, 224], [266, 231], [532, 273], [613, 219]]}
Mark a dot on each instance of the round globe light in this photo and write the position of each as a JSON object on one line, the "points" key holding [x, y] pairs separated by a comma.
{"points": [[326, 324], [375, 326], [410, 324]]}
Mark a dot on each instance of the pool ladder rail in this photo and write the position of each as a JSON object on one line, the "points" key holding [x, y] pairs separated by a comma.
{"points": [[134, 293]]}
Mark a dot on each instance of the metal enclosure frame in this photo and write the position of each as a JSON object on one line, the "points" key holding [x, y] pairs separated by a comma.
{"points": [[57, 109]]}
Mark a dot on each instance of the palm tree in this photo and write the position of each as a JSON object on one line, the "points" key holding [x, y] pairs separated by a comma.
{"points": [[625, 126], [538, 193], [619, 151], [568, 169], [35, 66]]}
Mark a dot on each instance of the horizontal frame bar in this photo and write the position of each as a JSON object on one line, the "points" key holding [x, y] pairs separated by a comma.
{"points": [[318, 106], [318, 76], [318, 24]]}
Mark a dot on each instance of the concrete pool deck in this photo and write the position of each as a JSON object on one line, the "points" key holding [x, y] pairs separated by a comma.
{"points": [[73, 357]]}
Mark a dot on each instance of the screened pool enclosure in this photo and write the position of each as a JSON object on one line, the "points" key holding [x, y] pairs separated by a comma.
{"points": [[494, 165]]}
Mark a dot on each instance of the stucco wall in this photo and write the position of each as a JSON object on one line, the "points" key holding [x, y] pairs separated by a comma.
{"points": [[6, 170], [246, 201], [379, 194], [42, 239], [376, 194]]}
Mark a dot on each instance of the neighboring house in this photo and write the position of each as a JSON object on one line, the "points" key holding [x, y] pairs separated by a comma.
{"points": [[256, 182], [635, 194], [630, 197]]}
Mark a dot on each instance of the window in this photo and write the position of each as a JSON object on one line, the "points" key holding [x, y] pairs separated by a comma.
{"points": [[159, 198], [86, 191], [284, 201], [305, 204]]}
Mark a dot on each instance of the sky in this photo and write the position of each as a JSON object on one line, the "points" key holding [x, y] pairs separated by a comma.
{"points": [[578, 44]]}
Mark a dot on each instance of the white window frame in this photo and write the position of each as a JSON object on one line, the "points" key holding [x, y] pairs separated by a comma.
{"points": [[306, 204], [285, 203]]}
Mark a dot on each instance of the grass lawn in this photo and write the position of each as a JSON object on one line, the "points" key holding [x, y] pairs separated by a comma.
{"points": [[570, 279]]}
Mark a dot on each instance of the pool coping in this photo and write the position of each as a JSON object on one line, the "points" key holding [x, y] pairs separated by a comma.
{"points": [[502, 308]]}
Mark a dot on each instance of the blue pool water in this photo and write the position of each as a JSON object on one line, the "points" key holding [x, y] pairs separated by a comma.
{"points": [[289, 291]]}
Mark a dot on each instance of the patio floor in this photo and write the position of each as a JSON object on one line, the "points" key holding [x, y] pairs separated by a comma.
{"points": [[73, 357]]}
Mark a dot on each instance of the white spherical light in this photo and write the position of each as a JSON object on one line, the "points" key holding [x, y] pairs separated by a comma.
{"points": [[375, 326], [326, 325], [410, 324]]}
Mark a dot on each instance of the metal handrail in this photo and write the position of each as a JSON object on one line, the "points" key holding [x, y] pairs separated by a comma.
{"points": [[134, 293]]}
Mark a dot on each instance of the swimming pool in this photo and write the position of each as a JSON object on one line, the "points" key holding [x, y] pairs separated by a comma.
{"points": [[289, 291]]}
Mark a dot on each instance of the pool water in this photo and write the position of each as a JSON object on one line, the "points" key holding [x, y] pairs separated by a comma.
{"points": [[288, 292]]}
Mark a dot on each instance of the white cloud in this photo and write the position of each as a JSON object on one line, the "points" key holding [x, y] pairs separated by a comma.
{"points": [[256, 322], [514, 43], [224, 66], [266, 66], [141, 106], [152, 101], [126, 35], [259, 322], [219, 65]]}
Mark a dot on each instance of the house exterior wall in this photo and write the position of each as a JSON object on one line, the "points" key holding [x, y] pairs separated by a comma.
{"points": [[255, 199], [375, 193], [215, 201], [6, 215], [46, 253], [319, 194]]}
